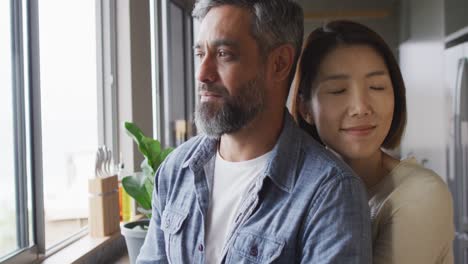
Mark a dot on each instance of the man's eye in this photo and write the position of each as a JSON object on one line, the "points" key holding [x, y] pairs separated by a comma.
{"points": [[222, 54]]}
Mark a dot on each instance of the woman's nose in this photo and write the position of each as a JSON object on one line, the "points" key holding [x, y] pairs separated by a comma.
{"points": [[360, 105]]}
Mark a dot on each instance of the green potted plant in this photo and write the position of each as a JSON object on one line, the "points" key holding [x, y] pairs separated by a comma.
{"points": [[140, 187]]}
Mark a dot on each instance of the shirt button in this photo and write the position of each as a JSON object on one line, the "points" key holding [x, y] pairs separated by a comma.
{"points": [[254, 251], [200, 248]]}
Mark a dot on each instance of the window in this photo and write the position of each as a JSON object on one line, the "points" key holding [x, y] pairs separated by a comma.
{"points": [[51, 108], [178, 102], [58, 102], [15, 225], [8, 239], [69, 112]]}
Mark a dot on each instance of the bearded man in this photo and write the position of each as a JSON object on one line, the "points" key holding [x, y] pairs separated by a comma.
{"points": [[252, 187]]}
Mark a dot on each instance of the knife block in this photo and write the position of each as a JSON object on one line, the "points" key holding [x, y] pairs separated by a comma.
{"points": [[104, 218]]}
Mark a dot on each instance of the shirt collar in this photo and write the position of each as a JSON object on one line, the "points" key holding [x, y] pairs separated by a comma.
{"points": [[282, 164], [202, 154]]}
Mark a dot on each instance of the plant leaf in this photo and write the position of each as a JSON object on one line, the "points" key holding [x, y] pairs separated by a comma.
{"points": [[137, 191], [141, 188], [134, 132], [146, 168], [137, 135], [153, 149]]}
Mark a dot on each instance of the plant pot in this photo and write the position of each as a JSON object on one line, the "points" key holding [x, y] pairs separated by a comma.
{"points": [[135, 233]]}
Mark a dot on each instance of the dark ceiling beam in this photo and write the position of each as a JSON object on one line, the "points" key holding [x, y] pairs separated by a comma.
{"points": [[348, 14]]}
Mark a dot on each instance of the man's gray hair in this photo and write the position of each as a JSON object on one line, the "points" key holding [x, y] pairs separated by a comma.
{"points": [[274, 22]]}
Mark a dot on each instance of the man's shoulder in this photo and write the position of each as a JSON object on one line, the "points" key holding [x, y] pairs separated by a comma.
{"points": [[176, 161], [183, 152], [319, 161]]}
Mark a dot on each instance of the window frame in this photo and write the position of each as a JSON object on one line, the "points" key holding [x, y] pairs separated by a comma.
{"points": [[19, 121], [164, 44], [28, 154], [157, 71], [109, 26], [20, 71], [106, 53]]}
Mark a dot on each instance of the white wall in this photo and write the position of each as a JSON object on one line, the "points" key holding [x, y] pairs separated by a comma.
{"points": [[421, 61]]}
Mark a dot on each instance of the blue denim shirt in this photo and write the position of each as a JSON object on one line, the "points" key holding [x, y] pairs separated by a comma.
{"points": [[308, 207]]}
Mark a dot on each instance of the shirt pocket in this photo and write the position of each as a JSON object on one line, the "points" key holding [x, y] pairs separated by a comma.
{"points": [[255, 248], [172, 222]]}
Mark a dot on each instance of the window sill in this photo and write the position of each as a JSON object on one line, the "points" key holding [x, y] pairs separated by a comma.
{"points": [[109, 249], [90, 250]]}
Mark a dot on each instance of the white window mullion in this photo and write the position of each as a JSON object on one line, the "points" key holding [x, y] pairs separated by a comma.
{"points": [[27, 91], [19, 126], [156, 69], [107, 81], [36, 126]]}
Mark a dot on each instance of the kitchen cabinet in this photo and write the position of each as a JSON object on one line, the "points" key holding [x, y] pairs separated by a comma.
{"points": [[455, 15]]}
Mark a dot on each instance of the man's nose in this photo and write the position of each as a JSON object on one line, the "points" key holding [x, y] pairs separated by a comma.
{"points": [[207, 71]]}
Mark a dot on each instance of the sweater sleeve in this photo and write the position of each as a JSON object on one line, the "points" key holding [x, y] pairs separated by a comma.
{"points": [[418, 224]]}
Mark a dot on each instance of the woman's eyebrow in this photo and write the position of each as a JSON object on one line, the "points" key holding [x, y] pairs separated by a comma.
{"points": [[342, 76], [335, 77], [376, 73]]}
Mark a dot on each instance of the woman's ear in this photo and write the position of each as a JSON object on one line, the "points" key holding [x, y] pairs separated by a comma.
{"points": [[304, 110]]}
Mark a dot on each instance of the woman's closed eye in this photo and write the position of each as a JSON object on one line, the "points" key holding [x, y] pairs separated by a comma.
{"points": [[337, 91], [377, 88]]}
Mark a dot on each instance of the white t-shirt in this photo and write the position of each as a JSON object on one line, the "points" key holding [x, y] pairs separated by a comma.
{"points": [[230, 182]]}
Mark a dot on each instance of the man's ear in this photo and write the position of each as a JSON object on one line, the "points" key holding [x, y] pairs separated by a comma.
{"points": [[304, 110], [282, 61]]}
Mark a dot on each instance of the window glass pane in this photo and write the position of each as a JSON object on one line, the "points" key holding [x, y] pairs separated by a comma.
{"points": [[8, 238], [67, 33]]}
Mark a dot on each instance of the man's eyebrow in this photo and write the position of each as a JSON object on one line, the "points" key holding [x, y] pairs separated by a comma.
{"points": [[219, 42]]}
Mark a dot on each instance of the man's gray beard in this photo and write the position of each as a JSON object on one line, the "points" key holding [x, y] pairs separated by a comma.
{"points": [[234, 112]]}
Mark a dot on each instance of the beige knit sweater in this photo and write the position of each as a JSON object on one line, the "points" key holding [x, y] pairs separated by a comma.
{"points": [[412, 217]]}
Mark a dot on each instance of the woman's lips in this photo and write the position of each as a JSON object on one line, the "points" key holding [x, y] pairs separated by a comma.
{"points": [[363, 130]]}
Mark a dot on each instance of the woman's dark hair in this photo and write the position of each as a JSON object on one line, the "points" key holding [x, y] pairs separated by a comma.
{"points": [[324, 40]]}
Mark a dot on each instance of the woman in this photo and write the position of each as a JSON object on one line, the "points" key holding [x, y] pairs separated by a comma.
{"points": [[350, 96]]}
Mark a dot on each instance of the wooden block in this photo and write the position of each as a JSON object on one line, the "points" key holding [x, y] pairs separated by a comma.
{"points": [[104, 218], [103, 185]]}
